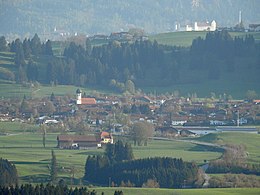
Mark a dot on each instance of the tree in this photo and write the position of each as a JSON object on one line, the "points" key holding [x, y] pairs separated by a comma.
{"points": [[43, 127], [19, 53], [36, 45], [130, 86], [88, 47], [48, 48], [3, 44], [21, 75], [151, 183], [251, 95], [118, 152], [141, 131], [8, 173], [25, 106], [27, 48], [32, 71], [54, 170], [52, 97]]}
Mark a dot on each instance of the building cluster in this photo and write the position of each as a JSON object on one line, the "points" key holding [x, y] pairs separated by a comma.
{"points": [[114, 115], [197, 26]]}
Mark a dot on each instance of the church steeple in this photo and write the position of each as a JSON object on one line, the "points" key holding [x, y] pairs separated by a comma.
{"points": [[78, 92]]}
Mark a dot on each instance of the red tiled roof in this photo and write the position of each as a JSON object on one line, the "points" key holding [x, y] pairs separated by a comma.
{"points": [[88, 101], [105, 134]]}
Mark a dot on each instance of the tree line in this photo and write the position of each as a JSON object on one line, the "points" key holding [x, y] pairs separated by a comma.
{"points": [[123, 66], [116, 169], [60, 189]]}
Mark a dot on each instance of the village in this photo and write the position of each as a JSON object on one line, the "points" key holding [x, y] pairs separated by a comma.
{"points": [[91, 121]]}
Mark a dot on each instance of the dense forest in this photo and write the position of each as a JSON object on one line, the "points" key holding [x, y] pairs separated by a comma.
{"points": [[101, 16], [125, 66], [164, 172], [117, 167]]}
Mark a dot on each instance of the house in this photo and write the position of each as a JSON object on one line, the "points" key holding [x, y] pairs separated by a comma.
{"points": [[77, 141], [106, 138], [205, 26], [167, 131]]}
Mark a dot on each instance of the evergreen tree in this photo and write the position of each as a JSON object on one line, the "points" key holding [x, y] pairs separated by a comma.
{"points": [[48, 48], [21, 75], [54, 168], [43, 127], [19, 53], [8, 173], [27, 48], [3, 44], [32, 71], [36, 45]]}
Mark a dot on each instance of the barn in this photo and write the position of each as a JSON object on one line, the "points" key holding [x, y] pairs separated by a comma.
{"points": [[77, 141]]}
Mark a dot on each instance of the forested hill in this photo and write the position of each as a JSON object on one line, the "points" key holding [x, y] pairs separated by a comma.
{"points": [[218, 63], [106, 16]]}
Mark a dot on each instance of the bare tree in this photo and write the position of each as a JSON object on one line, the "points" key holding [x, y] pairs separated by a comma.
{"points": [[141, 131]]}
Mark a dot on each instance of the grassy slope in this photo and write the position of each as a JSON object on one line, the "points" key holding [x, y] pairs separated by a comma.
{"points": [[237, 87], [232, 84], [184, 39], [250, 140], [217, 191]]}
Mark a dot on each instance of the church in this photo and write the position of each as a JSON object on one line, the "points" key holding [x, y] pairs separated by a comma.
{"points": [[84, 101]]}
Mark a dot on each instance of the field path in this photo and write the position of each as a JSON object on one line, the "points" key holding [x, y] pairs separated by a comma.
{"points": [[191, 141]]}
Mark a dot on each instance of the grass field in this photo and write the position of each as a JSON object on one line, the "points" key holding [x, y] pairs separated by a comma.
{"points": [[154, 191], [24, 147], [236, 88], [185, 39], [13, 90], [250, 140]]}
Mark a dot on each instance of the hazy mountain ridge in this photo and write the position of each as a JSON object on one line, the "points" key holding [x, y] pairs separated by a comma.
{"points": [[105, 16]]}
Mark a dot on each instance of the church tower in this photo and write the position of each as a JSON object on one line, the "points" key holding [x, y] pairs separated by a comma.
{"points": [[78, 92]]}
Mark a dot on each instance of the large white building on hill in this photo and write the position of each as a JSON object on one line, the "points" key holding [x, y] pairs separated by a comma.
{"points": [[198, 26]]}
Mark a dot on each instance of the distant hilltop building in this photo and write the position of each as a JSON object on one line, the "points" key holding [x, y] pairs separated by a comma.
{"points": [[198, 26]]}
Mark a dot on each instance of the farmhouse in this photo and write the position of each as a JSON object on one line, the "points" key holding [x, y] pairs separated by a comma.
{"points": [[77, 141]]}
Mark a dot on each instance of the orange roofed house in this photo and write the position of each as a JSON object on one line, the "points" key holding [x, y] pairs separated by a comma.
{"points": [[106, 138]]}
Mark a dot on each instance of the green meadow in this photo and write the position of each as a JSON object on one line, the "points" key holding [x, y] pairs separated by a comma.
{"points": [[154, 191], [22, 144], [250, 140], [184, 39]]}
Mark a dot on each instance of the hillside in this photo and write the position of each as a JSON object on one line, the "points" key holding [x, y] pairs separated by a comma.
{"points": [[25, 17], [217, 62], [185, 39]]}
